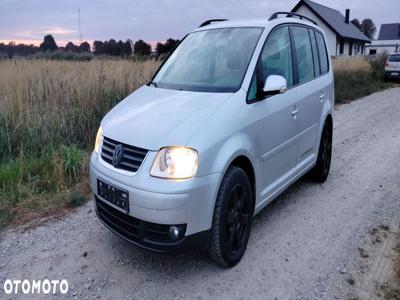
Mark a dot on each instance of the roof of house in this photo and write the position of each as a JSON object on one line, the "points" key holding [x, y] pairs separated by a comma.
{"points": [[389, 32], [335, 20]]}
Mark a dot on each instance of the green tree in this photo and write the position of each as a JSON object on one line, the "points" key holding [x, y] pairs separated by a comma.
{"points": [[49, 44], [71, 47], [167, 47], [356, 23], [84, 47], [141, 48], [368, 27], [98, 47]]}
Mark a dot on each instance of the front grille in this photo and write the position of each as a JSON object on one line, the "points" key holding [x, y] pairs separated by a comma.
{"points": [[132, 156], [134, 229]]}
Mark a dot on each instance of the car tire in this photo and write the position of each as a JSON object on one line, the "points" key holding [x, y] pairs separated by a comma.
{"points": [[321, 169], [232, 218]]}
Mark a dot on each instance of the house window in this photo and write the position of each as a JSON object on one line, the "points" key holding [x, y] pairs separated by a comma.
{"points": [[341, 47], [372, 51]]}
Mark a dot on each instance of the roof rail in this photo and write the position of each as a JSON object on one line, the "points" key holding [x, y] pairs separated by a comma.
{"points": [[289, 15], [208, 22]]}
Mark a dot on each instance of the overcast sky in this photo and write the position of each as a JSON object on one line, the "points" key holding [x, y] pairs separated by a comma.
{"points": [[152, 20]]}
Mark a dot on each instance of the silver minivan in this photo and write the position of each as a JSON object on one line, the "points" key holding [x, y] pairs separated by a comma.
{"points": [[237, 113]]}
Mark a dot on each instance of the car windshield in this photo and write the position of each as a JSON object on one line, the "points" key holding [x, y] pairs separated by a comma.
{"points": [[212, 60], [394, 58]]}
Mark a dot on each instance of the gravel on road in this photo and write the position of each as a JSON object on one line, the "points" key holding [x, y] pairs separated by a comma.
{"points": [[301, 246]]}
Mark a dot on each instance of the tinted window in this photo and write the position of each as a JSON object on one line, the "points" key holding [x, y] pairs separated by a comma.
{"points": [[323, 56], [394, 58], [315, 53], [276, 57], [304, 56]]}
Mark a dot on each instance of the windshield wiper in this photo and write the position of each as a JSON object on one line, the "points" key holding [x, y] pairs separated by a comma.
{"points": [[153, 83]]}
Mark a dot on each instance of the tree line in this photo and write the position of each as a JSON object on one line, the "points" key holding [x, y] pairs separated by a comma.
{"points": [[110, 47]]}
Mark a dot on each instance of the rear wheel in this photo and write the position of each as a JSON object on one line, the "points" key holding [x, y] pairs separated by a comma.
{"points": [[232, 218], [321, 170]]}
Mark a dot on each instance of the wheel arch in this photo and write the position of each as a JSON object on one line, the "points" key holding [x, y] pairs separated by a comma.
{"points": [[244, 162]]}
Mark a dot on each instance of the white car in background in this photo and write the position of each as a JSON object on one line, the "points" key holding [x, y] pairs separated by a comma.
{"points": [[392, 67], [236, 114]]}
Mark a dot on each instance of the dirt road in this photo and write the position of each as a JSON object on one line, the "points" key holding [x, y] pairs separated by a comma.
{"points": [[305, 245]]}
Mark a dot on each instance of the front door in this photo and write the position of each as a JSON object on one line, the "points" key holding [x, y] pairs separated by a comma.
{"points": [[278, 124]]}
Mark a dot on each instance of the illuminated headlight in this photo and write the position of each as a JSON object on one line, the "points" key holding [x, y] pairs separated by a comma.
{"points": [[175, 163], [98, 140]]}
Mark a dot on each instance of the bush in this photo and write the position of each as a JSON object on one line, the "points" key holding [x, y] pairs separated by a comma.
{"points": [[357, 77], [63, 55]]}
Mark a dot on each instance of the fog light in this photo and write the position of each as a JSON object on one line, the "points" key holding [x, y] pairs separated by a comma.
{"points": [[174, 232]]}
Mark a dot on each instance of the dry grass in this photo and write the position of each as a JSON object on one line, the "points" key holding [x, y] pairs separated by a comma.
{"points": [[358, 77], [49, 115], [351, 65], [46, 103]]}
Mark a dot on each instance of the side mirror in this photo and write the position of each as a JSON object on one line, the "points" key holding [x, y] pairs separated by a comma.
{"points": [[274, 84]]}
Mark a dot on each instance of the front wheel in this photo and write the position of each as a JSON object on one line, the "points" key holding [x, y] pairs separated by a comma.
{"points": [[321, 170], [232, 218]]}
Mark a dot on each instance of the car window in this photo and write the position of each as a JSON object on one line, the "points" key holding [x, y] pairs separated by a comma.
{"points": [[276, 57], [317, 70], [394, 58], [302, 45], [214, 60], [323, 55], [252, 93]]}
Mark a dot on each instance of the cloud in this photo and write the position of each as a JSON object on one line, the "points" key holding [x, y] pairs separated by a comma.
{"points": [[58, 30], [151, 20]]}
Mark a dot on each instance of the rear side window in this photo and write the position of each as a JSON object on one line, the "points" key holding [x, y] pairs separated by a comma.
{"points": [[302, 45], [323, 55], [317, 70]]}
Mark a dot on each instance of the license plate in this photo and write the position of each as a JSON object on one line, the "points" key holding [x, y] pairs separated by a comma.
{"points": [[395, 73], [113, 195]]}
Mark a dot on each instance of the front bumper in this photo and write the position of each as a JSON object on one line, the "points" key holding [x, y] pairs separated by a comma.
{"points": [[155, 205], [146, 235]]}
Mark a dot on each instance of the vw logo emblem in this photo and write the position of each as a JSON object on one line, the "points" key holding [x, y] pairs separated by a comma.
{"points": [[117, 155]]}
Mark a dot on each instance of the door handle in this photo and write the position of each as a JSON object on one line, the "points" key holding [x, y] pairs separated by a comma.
{"points": [[294, 113], [321, 98]]}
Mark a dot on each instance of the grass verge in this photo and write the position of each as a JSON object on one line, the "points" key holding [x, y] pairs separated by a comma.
{"points": [[358, 77], [37, 187]]}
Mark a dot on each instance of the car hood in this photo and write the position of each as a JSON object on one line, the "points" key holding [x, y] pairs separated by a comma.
{"points": [[152, 118]]}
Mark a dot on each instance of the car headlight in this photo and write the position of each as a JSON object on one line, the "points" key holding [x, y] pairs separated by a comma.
{"points": [[175, 163], [98, 140]]}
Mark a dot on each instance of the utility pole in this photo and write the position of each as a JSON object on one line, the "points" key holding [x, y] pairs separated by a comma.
{"points": [[79, 20]]}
